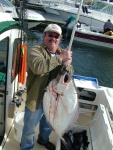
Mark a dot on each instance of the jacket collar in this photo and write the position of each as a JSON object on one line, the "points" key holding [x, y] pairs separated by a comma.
{"points": [[57, 52]]}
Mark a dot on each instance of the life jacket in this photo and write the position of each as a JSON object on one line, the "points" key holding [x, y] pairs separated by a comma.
{"points": [[109, 33]]}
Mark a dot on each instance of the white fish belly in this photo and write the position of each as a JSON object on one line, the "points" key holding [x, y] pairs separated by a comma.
{"points": [[60, 104]]}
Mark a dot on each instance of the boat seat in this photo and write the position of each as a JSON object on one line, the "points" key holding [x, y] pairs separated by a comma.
{"points": [[101, 133], [110, 92]]}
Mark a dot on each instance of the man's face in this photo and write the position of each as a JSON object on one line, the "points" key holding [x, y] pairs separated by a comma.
{"points": [[51, 40]]}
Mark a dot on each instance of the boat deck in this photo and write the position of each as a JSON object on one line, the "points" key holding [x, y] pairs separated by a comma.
{"points": [[12, 144]]}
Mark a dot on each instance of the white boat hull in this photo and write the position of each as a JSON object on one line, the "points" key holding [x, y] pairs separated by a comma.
{"points": [[93, 38]]}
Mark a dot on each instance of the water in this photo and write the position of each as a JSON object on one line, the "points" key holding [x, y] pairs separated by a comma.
{"points": [[87, 61]]}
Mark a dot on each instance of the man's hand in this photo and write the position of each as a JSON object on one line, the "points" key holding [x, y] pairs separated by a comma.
{"points": [[66, 56], [67, 62]]}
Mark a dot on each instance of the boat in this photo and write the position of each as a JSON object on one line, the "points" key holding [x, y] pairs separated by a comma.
{"points": [[43, 6], [36, 15], [95, 117], [11, 39], [47, 6], [95, 101], [32, 17], [94, 16], [85, 36], [7, 7]]}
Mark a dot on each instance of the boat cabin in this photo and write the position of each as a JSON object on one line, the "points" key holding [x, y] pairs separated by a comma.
{"points": [[10, 52]]}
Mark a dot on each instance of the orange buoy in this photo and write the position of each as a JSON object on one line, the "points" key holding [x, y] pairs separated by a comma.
{"points": [[23, 67]]}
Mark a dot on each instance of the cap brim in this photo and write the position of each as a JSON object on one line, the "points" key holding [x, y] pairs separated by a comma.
{"points": [[53, 31]]}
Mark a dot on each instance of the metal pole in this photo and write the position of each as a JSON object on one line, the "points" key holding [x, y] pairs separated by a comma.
{"points": [[73, 31]]}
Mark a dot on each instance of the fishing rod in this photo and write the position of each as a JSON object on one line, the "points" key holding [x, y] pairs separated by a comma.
{"points": [[76, 21], [22, 17], [21, 47]]}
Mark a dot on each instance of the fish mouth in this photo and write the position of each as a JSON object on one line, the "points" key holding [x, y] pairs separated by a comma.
{"points": [[64, 77], [67, 77]]}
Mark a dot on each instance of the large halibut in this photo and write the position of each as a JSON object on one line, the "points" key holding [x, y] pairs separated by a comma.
{"points": [[60, 104]]}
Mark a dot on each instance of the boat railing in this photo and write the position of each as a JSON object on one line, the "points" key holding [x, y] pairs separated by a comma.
{"points": [[55, 2]]}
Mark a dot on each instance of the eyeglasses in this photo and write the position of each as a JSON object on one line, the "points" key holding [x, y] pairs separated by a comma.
{"points": [[53, 36]]}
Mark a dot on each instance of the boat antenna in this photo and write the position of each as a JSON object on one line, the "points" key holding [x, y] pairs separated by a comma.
{"points": [[76, 21]]}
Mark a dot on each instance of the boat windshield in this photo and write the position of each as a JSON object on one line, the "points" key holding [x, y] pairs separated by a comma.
{"points": [[6, 3], [103, 7], [98, 6], [108, 10]]}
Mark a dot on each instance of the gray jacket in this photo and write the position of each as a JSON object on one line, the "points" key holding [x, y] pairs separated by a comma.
{"points": [[108, 25]]}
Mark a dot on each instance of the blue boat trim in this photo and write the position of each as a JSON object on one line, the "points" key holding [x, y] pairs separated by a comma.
{"points": [[94, 80]]}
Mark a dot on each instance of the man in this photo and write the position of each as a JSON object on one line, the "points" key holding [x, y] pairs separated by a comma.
{"points": [[44, 63], [71, 18], [108, 26], [70, 28]]}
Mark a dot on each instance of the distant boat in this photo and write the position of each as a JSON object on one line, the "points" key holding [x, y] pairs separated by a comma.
{"points": [[43, 6], [33, 18], [96, 15], [44, 9], [93, 38], [7, 7], [84, 35]]}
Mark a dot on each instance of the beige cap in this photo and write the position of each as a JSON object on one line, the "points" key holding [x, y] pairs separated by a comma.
{"points": [[53, 28]]}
